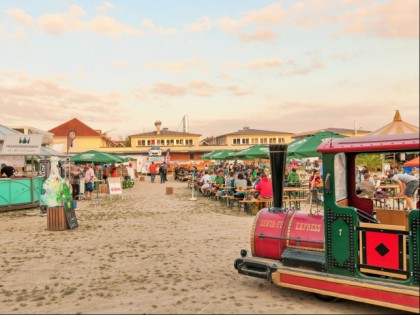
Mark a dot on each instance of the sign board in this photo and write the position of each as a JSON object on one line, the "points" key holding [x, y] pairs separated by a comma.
{"points": [[114, 186], [70, 214], [156, 159], [21, 144]]}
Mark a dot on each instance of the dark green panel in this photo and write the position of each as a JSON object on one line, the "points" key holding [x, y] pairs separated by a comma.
{"points": [[340, 241]]}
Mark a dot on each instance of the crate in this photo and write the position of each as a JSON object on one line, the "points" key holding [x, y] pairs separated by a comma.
{"points": [[56, 219]]}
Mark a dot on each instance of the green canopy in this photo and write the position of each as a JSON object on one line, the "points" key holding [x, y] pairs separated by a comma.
{"points": [[223, 155], [96, 157], [257, 151], [307, 147], [209, 154]]}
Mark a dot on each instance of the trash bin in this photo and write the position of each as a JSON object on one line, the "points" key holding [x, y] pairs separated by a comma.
{"points": [[56, 219]]}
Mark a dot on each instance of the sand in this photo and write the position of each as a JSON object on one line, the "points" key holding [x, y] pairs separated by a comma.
{"points": [[146, 253]]}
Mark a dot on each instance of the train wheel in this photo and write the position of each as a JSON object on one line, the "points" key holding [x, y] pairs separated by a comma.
{"points": [[326, 298]]}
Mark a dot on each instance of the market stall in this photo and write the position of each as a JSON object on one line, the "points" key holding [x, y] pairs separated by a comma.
{"points": [[23, 189]]}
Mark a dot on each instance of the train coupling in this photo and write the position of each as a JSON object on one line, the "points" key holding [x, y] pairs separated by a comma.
{"points": [[253, 266]]}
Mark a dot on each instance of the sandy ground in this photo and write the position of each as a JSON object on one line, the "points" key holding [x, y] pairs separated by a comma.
{"points": [[147, 253]]}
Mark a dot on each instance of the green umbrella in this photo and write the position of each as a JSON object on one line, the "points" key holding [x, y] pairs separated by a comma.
{"points": [[257, 151], [209, 154], [96, 157], [223, 155], [307, 147]]}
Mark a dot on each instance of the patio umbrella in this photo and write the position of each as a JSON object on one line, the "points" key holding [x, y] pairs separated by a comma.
{"points": [[223, 155], [208, 155], [307, 147], [97, 157], [257, 151]]}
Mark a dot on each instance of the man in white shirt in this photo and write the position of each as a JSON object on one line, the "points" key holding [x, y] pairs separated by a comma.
{"points": [[89, 178], [206, 182]]}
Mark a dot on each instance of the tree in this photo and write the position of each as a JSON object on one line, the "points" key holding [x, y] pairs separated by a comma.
{"points": [[372, 161]]}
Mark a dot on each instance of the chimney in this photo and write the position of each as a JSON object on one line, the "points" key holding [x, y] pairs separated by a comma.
{"points": [[185, 124], [278, 155], [158, 123]]}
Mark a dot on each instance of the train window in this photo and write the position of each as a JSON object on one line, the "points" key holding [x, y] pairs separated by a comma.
{"points": [[340, 180]]}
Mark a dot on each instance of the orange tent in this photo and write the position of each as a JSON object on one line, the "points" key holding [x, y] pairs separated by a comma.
{"points": [[413, 162], [396, 127]]}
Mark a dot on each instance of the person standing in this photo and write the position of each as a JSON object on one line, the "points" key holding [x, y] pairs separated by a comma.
{"points": [[106, 174], [75, 181], [408, 186], [152, 171], [162, 173], [7, 170], [89, 178]]}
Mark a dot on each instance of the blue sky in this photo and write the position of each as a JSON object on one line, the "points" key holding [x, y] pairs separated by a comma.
{"points": [[276, 65]]}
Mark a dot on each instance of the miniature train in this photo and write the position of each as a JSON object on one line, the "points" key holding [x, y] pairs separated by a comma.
{"points": [[348, 251]]}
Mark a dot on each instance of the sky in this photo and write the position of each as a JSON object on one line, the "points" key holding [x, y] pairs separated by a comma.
{"points": [[289, 66]]}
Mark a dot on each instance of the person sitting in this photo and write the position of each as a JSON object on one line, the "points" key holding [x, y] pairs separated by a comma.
{"points": [[264, 187], [408, 186], [218, 182], [293, 179], [365, 189], [205, 182], [240, 185]]}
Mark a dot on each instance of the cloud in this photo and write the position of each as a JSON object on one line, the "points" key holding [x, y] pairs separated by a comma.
{"points": [[258, 64], [201, 88], [394, 20], [165, 88], [177, 67], [45, 99], [158, 29], [105, 6], [202, 24], [269, 15], [292, 68], [20, 16], [258, 36], [72, 21], [237, 91], [119, 63]]}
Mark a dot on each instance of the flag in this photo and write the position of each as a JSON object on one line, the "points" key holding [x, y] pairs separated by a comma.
{"points": [[168, 157]]}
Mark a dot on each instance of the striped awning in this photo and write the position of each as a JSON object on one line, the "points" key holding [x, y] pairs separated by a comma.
{"points": [[396, 127]]}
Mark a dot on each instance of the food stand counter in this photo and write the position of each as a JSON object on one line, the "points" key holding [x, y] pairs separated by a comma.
{"points": [[20, 192]]}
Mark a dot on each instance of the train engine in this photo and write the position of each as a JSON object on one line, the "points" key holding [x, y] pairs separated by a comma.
{"points": [[344, 251]]}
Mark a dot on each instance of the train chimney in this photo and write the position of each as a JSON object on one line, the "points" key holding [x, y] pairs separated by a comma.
{"points": [[278, 155], [158, 123], [185, 124]]}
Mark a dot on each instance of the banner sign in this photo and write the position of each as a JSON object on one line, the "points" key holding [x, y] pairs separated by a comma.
{"points": [[156, 159], [114, 185], [21, 144]]}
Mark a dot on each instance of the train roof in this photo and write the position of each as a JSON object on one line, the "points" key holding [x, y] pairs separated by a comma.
{"points": [[405, 142]]}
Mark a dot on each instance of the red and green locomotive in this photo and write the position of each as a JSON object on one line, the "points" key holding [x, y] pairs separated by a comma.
{"points": [[349, 250]]}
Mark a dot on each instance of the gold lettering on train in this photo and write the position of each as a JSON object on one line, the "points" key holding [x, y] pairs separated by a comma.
{"points": [[271, 223], [312, 227]]}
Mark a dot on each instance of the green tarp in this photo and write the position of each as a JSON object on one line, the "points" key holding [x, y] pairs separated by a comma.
{"points": [[223, 155]]}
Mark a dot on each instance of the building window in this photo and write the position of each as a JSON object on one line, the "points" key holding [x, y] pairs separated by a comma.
{"points": [[254, 141], [160, 142], [141, 143], [245, 141], [263, 140], [179, 141], [188, 142], [281, 140], [170, 142], [236, 141], [272, 140]]}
